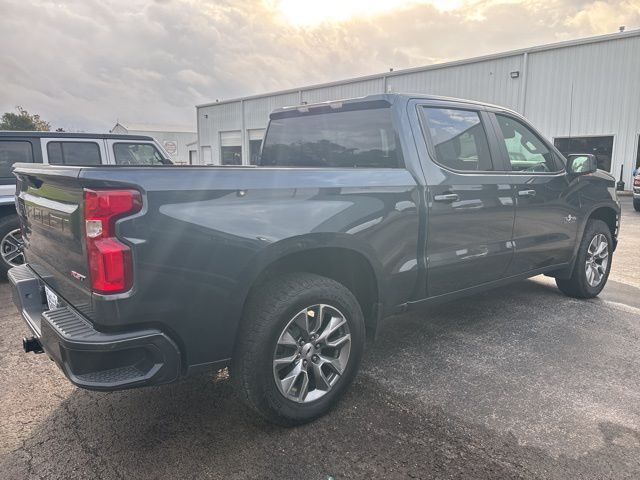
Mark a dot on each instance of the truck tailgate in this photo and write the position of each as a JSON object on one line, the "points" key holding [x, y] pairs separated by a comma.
{"points": [[49, 202]]}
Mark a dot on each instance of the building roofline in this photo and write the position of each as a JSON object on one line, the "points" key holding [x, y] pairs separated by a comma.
{"points": [[436, 66]]}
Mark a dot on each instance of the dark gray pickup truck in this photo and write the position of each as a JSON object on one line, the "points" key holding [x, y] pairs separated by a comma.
{"points": [[360, 209]]}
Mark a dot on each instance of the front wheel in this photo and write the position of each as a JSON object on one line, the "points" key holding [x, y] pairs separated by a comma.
{"points": [[10, 244], [298, 348], [636, 204], [593, 263]]}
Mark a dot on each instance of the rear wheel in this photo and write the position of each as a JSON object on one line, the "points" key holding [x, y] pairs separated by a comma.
{"points": [[636, 204], [299, 347], [10, 244], [593, 263]]}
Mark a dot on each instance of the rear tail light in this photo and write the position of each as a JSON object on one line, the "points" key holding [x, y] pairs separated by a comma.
{"points": [[110, 263], [636, 181]]}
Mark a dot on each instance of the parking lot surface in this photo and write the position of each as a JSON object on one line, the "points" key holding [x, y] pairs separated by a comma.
{"points": [[520, 382]]}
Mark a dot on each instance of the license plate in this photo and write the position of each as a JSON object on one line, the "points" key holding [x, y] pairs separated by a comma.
{"points": [[52, 298]]}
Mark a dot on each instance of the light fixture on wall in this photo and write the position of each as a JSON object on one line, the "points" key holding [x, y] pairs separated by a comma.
{"points": [[514, 74]]}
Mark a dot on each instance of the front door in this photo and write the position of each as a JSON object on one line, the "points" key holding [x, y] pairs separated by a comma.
{"points": [[545, 227], [470, 203]]}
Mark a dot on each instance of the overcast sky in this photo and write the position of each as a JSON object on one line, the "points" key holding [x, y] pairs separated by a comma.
{"points": [[83, 64]]}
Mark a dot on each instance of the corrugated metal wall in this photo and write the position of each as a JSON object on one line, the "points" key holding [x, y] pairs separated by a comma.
{"points": [[589, 88]]}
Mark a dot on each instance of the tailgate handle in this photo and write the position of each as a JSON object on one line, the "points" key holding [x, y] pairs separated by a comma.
{"points": [[446, 197]]}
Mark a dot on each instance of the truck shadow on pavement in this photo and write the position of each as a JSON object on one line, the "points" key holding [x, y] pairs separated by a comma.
{"points": [[199, 429]]}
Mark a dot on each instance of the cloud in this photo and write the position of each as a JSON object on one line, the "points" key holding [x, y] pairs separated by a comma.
{"points": [[82, 64]]}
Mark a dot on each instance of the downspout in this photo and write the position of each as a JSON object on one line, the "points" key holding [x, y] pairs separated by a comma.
{"points": [[243, 140], [523, 86]]}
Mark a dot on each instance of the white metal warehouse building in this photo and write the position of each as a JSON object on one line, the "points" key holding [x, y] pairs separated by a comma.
{"points": [[582, 94]]}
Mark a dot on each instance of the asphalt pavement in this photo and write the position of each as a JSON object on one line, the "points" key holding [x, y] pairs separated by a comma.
{"points": [[520, 382]]}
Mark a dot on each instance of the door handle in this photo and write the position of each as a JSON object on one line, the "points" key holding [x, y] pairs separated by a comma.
{"points": [[527, 193], [446, 197]]}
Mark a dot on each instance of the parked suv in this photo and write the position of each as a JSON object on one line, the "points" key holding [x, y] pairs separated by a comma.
{"points": [[60, 149], [360, 209]]}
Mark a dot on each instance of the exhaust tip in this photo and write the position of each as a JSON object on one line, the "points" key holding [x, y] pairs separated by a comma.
{"points": [[31, 344]]}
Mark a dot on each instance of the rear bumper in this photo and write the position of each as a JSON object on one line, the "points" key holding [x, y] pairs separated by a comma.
{"points": [[89, 358]]}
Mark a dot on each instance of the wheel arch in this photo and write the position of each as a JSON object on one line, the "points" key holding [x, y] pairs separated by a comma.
{"points": [[341, 259], [608, 215]]}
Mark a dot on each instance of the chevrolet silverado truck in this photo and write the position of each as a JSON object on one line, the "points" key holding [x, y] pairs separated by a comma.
{"points": [[359, 210], [60, 149]]}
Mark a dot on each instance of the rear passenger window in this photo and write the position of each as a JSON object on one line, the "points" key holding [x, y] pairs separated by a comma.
{"points": [[459, 139], [324, 137], [13, 152], [74, 153]]}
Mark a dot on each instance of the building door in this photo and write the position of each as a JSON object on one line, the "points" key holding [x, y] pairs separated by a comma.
{"points": [[601, 147], [231, 148], [207, 158], [255, 144]]}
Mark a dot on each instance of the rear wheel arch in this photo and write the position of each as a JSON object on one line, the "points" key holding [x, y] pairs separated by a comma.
{"points": [[347, 266]]}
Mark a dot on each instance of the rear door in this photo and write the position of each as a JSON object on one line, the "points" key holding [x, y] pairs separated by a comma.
{"points": [[470, 206], [545, 226]]}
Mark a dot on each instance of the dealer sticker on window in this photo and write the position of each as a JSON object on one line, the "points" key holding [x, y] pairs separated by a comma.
{"points": [[52, 298]]}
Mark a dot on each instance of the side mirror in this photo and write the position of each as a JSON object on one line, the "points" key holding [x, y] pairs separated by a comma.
{"points": [[581, 163]]}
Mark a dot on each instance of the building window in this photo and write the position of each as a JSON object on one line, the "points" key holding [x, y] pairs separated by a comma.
{"points": [[231, 155], [601, 147]]}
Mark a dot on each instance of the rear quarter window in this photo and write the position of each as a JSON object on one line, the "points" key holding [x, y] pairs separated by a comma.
{"points": [[74, 153], [13, 152], [352, 138]]}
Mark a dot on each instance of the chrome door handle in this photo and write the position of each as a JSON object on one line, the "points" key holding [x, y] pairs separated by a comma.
{"points": [[446, 197], [527, 193]]}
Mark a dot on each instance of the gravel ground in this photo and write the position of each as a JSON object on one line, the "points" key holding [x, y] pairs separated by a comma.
{"points": [[520, 382]]}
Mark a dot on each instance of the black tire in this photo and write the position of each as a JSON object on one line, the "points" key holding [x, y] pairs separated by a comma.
{"points": [[577, 285], [7, 225], [636, 204], [268, 312]]}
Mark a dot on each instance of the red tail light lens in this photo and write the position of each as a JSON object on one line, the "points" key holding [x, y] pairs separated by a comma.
{"points": [[636, 181], [110, 263]]}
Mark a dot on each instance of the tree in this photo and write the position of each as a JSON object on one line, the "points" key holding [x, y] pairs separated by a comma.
{"points": [[23, 120]]}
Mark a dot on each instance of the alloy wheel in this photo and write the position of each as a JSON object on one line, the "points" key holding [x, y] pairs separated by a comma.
{"points": [[597, 259], [11, 248], [312, 353]]}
